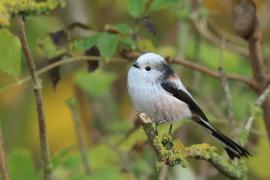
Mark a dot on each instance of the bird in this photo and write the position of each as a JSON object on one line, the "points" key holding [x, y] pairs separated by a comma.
{"points": [[156, 90]]}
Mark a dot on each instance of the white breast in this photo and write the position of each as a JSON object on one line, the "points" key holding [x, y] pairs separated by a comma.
{"points": [[151, 98]]}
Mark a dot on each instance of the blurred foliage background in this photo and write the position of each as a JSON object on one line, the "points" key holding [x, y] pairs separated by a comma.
{"points": [[105, 110]]}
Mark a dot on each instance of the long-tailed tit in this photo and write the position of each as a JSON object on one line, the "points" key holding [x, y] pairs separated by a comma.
{"points": [[157, 91]]}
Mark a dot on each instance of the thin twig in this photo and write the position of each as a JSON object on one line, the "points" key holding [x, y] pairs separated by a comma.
{"points": [[215, 74], [257, 62], [3, 161], [39, 101], [226, 88], [197, 67], [246, 24], [52, 66], [201, 27], [78, 130], [195, 5], [260, 100], [202, 69]]}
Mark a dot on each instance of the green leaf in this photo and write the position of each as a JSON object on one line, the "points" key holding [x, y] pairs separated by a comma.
{"points": [[146, 45], [47, 48], [10, 53], [130, 42], [84, 44], [161, 4], [123, 28], [95, 84], [107, 44], [136, 8], [21, 165]]}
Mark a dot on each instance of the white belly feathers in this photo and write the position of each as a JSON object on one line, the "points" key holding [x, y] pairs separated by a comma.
{"points": [[157, 103]]}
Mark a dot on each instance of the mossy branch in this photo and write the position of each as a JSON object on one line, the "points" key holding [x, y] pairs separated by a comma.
{"points": [[172, 152], [10, 8]]}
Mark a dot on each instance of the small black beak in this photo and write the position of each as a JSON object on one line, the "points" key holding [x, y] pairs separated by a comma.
{"points": [[135, 65]]}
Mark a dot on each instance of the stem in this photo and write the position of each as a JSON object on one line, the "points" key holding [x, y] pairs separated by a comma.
{"points": [[3, 162], [226, 88], [78, 130], [54, 65], [259, 72], [259, 102], [195, 5], [194, 66], [39, 101], [256, 59], [201, 27], [215, 74]]}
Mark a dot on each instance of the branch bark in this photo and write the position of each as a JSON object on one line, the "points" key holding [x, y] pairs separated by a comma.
{"points": [[202, 69], [215, 74], [39, 101], [194, 66], [172, 152], [247, 26]]}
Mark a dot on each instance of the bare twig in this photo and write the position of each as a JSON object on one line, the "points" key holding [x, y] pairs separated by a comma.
{"points": [[215, 74], [172, 152], [78, 130], [260, 100], [202, 69], [256, 59], [39, 101], [195, 4], [246, 24], [54, 65], [228, 97], [3, 162], [226, 88], [186, 63], [201, 27]]}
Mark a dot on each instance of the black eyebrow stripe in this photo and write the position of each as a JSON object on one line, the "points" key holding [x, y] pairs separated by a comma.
{"points": [[166, 70]]}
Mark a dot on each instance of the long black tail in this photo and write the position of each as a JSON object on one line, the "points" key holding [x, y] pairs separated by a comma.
{"points": [[233, 149]]}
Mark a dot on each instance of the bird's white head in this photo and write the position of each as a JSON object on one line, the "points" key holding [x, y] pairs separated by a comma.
{"points": [[150, 59], [148, 68]]}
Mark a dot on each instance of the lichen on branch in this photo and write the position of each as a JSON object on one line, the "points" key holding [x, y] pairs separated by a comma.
{"points": [[172, 152], [10, 8]]}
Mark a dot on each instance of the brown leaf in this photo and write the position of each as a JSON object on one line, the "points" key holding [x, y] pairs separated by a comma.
{"points": [[54, 74], [60, 38], [148, 24], [93, 64]]}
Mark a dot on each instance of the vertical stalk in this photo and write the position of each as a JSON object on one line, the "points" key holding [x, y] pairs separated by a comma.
{"points": [[39, 101], [3, 162], [78, 130], [225, 85]]}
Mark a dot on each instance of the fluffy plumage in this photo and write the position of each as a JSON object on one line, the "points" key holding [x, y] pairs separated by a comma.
{"points": [[156, 90]]}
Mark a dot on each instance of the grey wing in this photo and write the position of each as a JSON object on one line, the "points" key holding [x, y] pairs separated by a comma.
{"points": [[183, 95]]}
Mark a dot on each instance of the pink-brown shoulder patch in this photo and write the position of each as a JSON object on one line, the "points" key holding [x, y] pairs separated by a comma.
{"points": [[172, 77]]}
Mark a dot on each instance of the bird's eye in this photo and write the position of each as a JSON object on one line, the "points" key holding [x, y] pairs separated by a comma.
{"points": [[147, 68]]}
